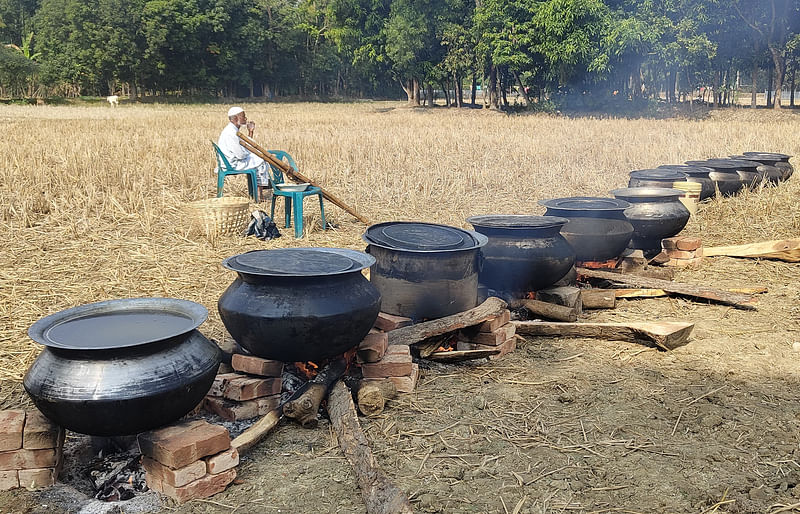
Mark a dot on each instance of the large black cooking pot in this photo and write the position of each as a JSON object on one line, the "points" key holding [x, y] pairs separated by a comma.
{"points": [[299, 304], [779, 160], [121, 367], [424, 270], [655, 213], [655, 177], [770, 174], [524, 253], [697, 174], [597, 228], [747, 170], [725, 178]]}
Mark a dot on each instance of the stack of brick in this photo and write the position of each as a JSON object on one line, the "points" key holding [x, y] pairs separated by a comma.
{"points": [[189, 460], [252, 390], [379, 361], [31, 450], [496, 333], [681, 251]]}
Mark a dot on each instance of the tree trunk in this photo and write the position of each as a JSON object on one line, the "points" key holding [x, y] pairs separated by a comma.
{"points": [[769, 87], [493, 100], [754, 78], [522, 90], [779, 62], [691, 89], [474, 91], [503, 87], [446, 91], [459, 90], [134, 92], [791, 83], [408, 87], [415, 83], [430, 95]]}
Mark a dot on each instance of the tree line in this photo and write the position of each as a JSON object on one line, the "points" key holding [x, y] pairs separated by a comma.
{"points": [[536, 50]]}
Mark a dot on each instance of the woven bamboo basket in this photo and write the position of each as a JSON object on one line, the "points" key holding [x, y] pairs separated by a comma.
{"points": [[224, 215]]}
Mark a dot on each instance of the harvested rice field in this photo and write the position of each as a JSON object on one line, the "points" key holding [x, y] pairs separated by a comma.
{"points": [[93, 207]]}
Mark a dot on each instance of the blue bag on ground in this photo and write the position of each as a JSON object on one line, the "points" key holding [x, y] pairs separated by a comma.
{"points": [[262, 227]]}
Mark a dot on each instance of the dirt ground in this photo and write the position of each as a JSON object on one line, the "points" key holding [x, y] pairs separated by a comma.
{"points": [[571, 424], [561, 425]]}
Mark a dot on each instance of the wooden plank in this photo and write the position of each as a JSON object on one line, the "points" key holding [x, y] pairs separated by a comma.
{"points": [[737, 300], [782, 249], [417, 333], [655, 293], [547, 310], [664, 334], [598, 298], [288, 170], [462, 355]]}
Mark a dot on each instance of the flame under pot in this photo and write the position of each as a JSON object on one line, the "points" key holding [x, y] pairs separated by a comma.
{"points": [[121, 367], [597, 228], [425, 270], [299, 304], [524, 253], [655, 213]]}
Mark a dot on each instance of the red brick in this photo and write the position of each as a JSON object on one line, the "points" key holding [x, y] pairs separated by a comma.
{"points": [[256, 365], [373, 347], [683, 263], [37, 478], [154, 483], [507, 347], [8, 480], [496, 338], [207, 486], [392, 365], [28, 459], [40, 432], [398, 349], [231, 410], [681, 243], [183, 443], [496, 322], [681, 254], [408, 383], [220, 381], [387, 322], [222, 461], [247, 388], [11, 423], [174, 477]]}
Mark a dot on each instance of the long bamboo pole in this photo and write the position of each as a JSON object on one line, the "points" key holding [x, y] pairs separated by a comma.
{"points": [[251, 145]]}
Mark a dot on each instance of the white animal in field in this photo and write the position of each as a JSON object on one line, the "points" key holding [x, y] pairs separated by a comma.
{"points": [[113, 100]]}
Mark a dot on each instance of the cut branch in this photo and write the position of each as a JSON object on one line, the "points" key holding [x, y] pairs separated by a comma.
{"points": [[304, 408], [381, 495]]}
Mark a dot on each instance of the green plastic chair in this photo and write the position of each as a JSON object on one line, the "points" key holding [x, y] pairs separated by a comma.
{"points": [[293, 200], [224, 169]]}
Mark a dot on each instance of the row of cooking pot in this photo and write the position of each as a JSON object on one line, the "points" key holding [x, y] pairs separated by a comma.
{"points": [[728, 176]]}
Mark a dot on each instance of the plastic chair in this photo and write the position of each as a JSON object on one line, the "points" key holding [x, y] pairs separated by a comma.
{"points": [[292, 198], [224, 169]]}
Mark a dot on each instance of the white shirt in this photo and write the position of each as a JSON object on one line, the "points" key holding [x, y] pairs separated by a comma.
{"points": [[238, 156]]}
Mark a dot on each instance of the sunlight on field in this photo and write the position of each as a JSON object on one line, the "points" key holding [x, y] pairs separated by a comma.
{"points": [[92, 201]]}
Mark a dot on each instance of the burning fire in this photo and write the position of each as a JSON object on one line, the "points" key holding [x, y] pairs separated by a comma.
{"points": [[307, 369], [609, 264]]}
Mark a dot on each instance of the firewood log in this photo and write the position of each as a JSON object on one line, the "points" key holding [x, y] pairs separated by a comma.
{"points": [[372, 396]]}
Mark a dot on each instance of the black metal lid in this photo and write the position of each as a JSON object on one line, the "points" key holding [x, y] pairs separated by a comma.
{"points": [[770, 156], [299, 262], [660, 174], [516, 221], [724, 164], [118, 323], [643, 193], [422, 237], [686, 169], [585, 203]]}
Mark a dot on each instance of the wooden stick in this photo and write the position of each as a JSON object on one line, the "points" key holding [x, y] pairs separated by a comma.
{"points": [[655, 293], [547, 310], [288, 170], [257, 431], [380, 494], [372, 396], [304, 408], [664, 334], [783, 249], [598, 299], [462, 355], [417, 333], [739, 301]]}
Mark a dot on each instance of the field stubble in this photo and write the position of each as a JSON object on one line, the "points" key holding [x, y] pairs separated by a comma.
{"points": [[91, 208]]}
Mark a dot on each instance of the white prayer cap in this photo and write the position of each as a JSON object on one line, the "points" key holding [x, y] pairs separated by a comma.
{"points": [[233, 111]]}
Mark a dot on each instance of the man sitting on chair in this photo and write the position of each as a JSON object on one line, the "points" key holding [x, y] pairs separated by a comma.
{"points": [[239, 157]]}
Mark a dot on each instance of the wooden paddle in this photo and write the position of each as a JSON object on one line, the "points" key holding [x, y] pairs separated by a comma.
{"points": [[296, 175], [664, 334]]}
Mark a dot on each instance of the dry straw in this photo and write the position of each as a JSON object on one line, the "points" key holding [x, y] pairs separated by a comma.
{"points": [[92, 203]]}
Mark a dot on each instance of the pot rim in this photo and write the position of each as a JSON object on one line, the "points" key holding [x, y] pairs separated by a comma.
{"points": [[768, 155], [660, 174], [359, 259], [516, 221], [613, 204], [480, 241], [646, 192], [194, 314]]}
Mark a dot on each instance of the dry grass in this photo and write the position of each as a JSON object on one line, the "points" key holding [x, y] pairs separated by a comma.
{"points": [[91, 203]]}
